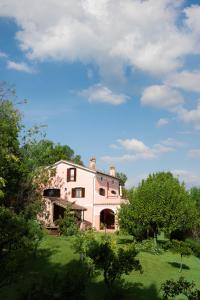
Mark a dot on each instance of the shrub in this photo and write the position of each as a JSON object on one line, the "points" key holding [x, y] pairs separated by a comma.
{"points": [[172, 288], [149, 246], [70, 284], [18, 238], [195, 246], [68, 225]]}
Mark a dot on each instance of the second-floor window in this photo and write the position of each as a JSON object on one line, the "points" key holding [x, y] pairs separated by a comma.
{"points": [[71, 174], [78, 192], [102, 192]]}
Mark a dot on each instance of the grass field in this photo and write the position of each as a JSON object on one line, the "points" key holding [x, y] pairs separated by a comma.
{"points": [[57, 252]]}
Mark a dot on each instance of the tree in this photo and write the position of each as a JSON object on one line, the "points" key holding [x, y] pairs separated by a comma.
{"points": [[161, 203], [19, 238], [122, 177], [10, 158], [108, 257], [195, 196], [182, 248], [45, 153], [68, 225]]}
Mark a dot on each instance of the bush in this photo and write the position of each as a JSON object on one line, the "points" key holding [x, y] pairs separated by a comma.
{"points": [[172, 288], [69, 224], [149, 246], [18, 238], [195, 246], [70, 284]]}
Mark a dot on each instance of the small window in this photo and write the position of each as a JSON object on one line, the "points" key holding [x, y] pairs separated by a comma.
{"points": [[101, 178], [78, 192], [113, 181], [102, 192], [71, 174], [113, 192]]}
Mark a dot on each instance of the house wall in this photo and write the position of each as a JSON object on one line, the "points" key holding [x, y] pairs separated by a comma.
{"points": [[92, 181], [84, 179]]}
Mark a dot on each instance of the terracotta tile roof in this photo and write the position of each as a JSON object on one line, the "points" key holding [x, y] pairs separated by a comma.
{"points": [[63, 203]]}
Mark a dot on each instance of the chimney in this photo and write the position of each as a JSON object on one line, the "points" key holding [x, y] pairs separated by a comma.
{"points": [[112, 171], [92, 164]]}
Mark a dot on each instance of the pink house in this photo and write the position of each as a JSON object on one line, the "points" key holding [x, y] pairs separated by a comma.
{"points": [[94, 195]]}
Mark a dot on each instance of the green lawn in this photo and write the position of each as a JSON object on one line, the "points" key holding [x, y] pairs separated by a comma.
{"points": [[56, 252]]}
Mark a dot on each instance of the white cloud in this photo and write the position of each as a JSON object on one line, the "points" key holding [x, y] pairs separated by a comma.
{"points": [[193, 17], [189, 177], [165, 97], [133, 144], [190, 115], [194, 153], [185, 80], [162, 96], [128, 157], [21, 67], [3, 55], [100, 93], [147, 36], [137, 151], [162, 122], [173, 142]]}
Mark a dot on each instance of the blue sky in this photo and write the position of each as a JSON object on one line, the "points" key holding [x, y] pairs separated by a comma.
{"points": [[114, 79]]}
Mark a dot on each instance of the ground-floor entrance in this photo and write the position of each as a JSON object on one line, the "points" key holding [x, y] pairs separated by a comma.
{"points": [[107, 219]]}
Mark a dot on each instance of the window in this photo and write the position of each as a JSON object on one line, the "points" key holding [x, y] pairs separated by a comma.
{"points": [[78, 192], [51, 193], [113, 192], [102, 192], [71, 174]]}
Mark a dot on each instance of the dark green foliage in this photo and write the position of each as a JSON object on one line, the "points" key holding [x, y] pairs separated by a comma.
{"points": [[195, 196], [70, 284], [68, 225], [160, 203], [195, 247], [18, 239], [149, 246], [45, 153], [10, 160], [122, 177], [182, 248], [171, 289], [112, 260]]}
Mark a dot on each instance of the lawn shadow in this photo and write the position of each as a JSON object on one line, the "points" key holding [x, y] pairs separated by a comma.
{"points": [[122, 291], [138, 292], [123, 241], [178, 265]]}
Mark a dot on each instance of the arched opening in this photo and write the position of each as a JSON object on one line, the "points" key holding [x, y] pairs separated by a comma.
{"points": [[107, 219]]}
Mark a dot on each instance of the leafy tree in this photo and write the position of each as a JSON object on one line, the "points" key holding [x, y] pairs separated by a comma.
{"points": [[112, 260], [10, 160], [122, 177], [161, 203], [195, 196], [68, 224], [45, 153], [182, 248], [19, 237]]}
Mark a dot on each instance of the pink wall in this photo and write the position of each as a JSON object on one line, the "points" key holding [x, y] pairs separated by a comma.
{"points": [[92, 181]]}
